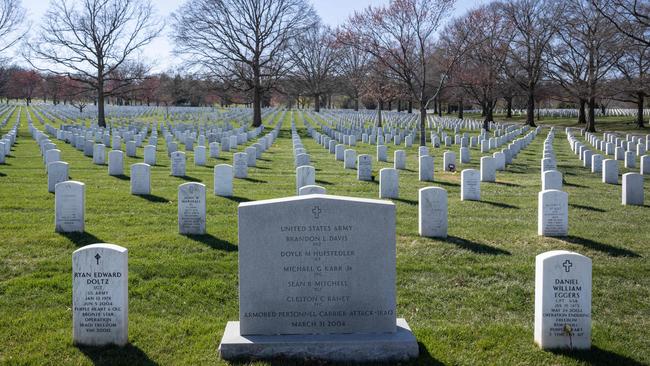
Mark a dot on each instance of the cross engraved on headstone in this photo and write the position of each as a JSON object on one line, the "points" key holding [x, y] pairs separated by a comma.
{"points": [[97, 256], [567, 265], [316, 211]]}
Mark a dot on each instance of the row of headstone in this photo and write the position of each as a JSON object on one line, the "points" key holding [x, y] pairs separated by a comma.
{"points": [[632, 192]]}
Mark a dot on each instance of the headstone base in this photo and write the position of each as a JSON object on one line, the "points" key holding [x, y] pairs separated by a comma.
{"points": [[382, 347]]}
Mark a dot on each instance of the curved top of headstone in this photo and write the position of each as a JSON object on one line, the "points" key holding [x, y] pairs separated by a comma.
{"points": [[316, 197], [114, 247], [553, 253]]}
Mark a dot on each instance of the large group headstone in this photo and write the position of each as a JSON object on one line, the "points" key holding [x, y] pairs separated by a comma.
{"points": [[562, 300], [323, 284], [100, 293]]}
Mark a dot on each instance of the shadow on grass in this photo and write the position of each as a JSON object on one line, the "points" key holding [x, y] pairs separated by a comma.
{"points": [[574, 185], [263, 159], [261, 167], [605, 248], [324, 182], [237, 199], [121, 177], [597, 356], [127, 355], [475, 247], [82, 239], [212, 241], [253, 180], [587, 207], [153, 198], [442, 182], [2, 174], [499, 204], [507, 184], [404, 200], [188, 178]]}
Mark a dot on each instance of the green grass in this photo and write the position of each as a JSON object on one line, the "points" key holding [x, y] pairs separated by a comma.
{"points": [[468, 299]]}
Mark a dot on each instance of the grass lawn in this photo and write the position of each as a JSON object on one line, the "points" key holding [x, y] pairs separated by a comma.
{"points": [[469, 299]]}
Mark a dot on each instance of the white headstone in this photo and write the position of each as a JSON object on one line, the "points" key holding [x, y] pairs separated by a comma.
{"points": [[57, 172], [177, 160], [311, 189], [305, 176], [223, 177], [610, 171], [470, 185], [141, 179], [364, 167], [70, 206], [632, 193], [150, 155], [553, 213], [488, 169], [240, 165], [199, 155], [432, 212], [350, 159], [425, 168], [99, 154], [191, 208], [100, 305], [562, 300], [115, 162], [388, 183], [399, 157], [552, 179]]}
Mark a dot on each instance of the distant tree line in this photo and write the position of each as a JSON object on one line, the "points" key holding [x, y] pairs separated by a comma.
{"points": [[406, 55]]}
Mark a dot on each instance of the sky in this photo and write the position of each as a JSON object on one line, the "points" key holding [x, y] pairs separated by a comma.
{"points": [[159, 52]]}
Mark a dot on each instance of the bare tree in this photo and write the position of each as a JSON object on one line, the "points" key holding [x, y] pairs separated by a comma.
{"points": [[633, 84], [12, 15], [353, 68], [248, 39], [481, 68], [535, 22], [587, 48], [91, 42], [630, 17], [315, 60], [401, 37]]}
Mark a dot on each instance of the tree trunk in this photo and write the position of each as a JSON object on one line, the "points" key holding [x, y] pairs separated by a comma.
{"points": [[439, 107], [390, 105], [435, 105], [317, 102], [257, 97], [489, 117], [530, 108], [356, 104], [591, 117], [603, 110], [380, 106], [101, 118], [399, 105], [410, 106], [509, 107], [582, 118], [423, 122], [639, 110], [461, 109]]}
